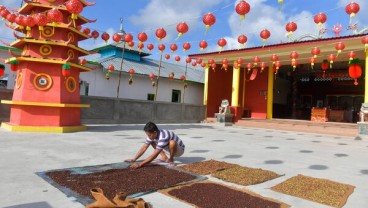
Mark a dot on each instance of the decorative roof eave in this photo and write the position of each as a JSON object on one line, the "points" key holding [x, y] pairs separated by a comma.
{"points": [[20, 42], [52, 61], [283, 50], [26, 8]]}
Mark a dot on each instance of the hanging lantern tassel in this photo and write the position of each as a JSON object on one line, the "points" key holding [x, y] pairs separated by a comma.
{"points": [[331, 62], [107, 76], [312, 65], [130, 81], [74, 17], [280, 2]]}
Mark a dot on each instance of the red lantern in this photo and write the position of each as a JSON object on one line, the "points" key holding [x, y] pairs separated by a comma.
{"points": [[194, 63], [331, 58], [249, 66], [211, 61], [131, 44], [365, 42], [339, 46], [161, 47], [65, 70], [355, 70], [324, 65], [274, 58], [55, 16], [29, 22], [173, 47], [242, 39], [240, 61], [312, 62], [75, 7], [203, 45], [209, 19], [199, 60], [294, 55], [4, 13], [95, 34], [351, 55], [265, 34], [213, 66], [128, 38], [131, 72], [111, 67], [140, 45], [151, 76], [242, 8], [277, 66], [150, 46], [315, 52], [291, 27], [352, 9], [182, 77], [11, 18], [182, 28], [263, 65], [1, 72], [160, 33], [186, 46], [203, 64], [20, 22], [225, 61], [14, 65], [177, 58], [167, 56], [320, 18], [86, 31], [188, 60], [142, 37], [256, 59], [105, 36], [83, 61], [171, 75], [221, 43], [116, 37], [294, 63]]}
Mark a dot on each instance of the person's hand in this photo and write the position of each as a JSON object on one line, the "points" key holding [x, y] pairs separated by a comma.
{"points": [[129, 160], [135, 166]]}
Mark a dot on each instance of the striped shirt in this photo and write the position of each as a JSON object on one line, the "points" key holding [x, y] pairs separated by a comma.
{"points": [[163, 138]]}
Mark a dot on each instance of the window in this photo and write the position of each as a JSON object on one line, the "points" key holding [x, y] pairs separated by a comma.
{"points": [[176, 95], [150, 97]]}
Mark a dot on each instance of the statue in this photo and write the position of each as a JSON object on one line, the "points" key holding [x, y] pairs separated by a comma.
{"points": [[363, 111], [224, 108]]}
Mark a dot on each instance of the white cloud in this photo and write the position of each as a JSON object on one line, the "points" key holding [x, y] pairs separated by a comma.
{"points": [[161, 13], [7, 33]]}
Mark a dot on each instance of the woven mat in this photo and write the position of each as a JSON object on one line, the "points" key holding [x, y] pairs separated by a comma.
{"points": [[80, 172], [315, 189], [207, 167], [245, 176], [219, 197]]}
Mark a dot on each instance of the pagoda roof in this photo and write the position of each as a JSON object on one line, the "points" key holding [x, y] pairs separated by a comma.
{"points": [[20, 42], [45, 60]]}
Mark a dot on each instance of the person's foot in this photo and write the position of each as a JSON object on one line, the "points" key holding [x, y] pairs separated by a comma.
{"points": [[161, 160], [171, 164]]}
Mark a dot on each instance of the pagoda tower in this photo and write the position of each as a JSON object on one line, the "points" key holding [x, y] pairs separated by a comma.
{"points": [[46, 94]]}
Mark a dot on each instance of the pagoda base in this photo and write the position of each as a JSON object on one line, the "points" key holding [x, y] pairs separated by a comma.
{"points": [[46, 129]]}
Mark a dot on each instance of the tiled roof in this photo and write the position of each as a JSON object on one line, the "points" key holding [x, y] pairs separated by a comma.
{"points": [[147, 66]]}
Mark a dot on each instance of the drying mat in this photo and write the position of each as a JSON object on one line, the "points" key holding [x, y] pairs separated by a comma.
{"points": [[315, 189], [245, 176], [113, 178], [206, 194], [207, 167]]}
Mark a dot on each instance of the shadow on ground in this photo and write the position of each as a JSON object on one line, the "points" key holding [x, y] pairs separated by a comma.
{"points": [[125, 127], [32, 205]]}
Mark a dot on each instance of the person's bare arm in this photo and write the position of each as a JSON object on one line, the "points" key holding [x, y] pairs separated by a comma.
{"points": [[147, 160], [139, 153]]}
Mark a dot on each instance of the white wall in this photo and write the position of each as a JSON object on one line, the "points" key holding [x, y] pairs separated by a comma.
{"points": [[99, 86], [4, 54]]}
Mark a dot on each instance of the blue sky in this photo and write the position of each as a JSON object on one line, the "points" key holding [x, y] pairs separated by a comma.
{"points": [[148, 15]]}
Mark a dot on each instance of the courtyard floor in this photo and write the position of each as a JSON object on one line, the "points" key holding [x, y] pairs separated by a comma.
{"points": [[329, 155]]}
